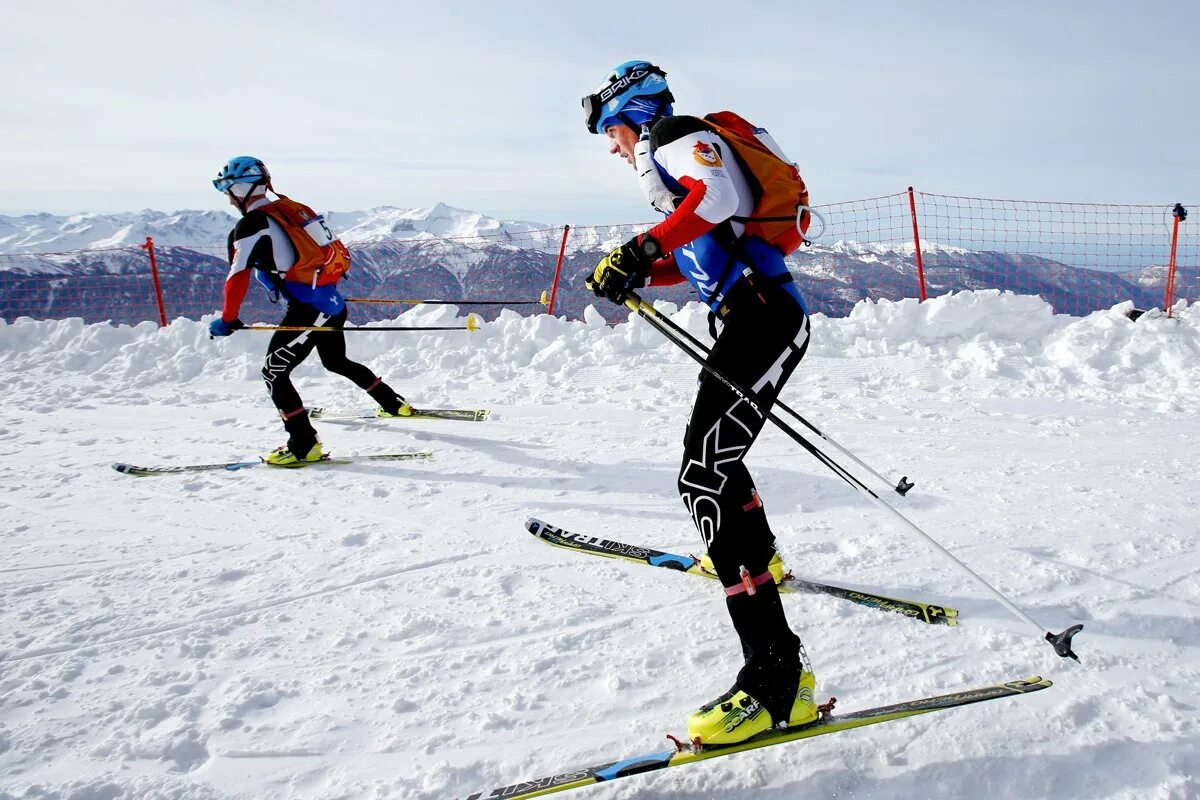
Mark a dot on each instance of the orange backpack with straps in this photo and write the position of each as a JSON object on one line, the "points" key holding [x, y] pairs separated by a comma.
{"points": [[321, 258], [778, 189]]}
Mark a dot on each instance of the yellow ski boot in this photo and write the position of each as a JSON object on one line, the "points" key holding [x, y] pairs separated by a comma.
{"points": [[776, 567], [282, 456], [735, 716], [405, 410]]}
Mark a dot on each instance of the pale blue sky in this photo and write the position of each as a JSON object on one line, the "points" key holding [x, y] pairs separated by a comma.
{"points": [[127, 105]]}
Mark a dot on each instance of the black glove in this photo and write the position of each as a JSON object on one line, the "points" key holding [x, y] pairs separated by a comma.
{"points": [[624, 269]]}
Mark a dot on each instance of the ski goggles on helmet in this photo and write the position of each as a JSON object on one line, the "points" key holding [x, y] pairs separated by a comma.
{"points": [[225, 184], [593, 104]]}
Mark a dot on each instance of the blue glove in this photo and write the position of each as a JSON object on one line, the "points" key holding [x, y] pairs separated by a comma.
{"points": [[219, 327]]}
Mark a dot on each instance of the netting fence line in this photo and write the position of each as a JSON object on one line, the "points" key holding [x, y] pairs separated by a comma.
{"points": [[1079, 257]]}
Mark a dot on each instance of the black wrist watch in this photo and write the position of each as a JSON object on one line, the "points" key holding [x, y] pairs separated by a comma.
{"points": [[650, 247]]}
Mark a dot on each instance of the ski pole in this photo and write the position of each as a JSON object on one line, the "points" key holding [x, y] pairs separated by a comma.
{"points": [[472, 325], [1061, 642], [383, 301], [902, 486]]}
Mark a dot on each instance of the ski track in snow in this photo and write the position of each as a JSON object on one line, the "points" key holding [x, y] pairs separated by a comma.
{"points": [[391, 630]]}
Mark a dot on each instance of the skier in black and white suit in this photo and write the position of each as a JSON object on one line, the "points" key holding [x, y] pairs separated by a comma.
{"points": [[287, 246], [690, 173]]}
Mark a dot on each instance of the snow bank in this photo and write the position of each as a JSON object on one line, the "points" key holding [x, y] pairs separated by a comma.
{"points": [[984, 334]]}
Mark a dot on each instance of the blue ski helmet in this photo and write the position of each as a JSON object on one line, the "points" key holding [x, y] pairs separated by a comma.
{"points": [[635, 94], [242, 169]]}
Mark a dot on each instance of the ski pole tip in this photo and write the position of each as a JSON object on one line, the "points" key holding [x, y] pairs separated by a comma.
{"points": [[1061, 642], [904, 485], [545, 298], [472, 322]]}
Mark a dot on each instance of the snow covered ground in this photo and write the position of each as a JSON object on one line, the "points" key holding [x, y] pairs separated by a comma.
{"points": [[391, 631]]}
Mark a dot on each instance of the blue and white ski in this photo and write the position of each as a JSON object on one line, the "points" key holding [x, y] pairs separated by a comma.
{"points": [[683, 752], [236, 466]]}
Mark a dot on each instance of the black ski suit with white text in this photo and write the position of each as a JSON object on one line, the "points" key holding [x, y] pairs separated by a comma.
{"points": [[764, 335], [258, 242]]}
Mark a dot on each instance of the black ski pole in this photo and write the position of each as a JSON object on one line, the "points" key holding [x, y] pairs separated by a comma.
{"points": [[902, 486], [1061, 642]]}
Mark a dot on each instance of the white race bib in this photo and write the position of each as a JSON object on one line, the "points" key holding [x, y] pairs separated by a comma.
{"points": [[319, 232]]}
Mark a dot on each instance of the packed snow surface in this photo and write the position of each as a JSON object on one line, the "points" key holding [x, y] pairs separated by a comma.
{"points": [[391, 631]]}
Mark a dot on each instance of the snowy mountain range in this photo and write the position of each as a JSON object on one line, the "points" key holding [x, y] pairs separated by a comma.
{"points": [[90, 265], [50, 233]]}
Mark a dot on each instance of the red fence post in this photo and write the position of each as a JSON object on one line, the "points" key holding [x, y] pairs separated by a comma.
{"points": [[1180, 214], [912, 207], [162, 308], [562, 249]]}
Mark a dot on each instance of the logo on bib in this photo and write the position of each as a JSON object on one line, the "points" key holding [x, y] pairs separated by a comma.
{"points": [[706, 155]]}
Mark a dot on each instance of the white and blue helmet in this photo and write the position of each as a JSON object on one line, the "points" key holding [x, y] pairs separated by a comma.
{"points": [[635, 94], [242, 169]]}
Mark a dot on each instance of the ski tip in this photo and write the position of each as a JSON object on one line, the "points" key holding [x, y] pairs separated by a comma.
{"points": [[941, 615], [136, 471], [534, 525]]}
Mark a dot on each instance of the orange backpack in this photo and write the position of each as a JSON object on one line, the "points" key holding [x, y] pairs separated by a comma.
{"points": [[321, 258], [778, 189]]}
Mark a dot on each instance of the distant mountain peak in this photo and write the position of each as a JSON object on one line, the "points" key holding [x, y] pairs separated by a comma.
{"points": [[49, 233]]}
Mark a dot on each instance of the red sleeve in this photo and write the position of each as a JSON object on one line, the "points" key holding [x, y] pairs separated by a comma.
{"points": [[665, 272], [236, 286], [684, 225]]}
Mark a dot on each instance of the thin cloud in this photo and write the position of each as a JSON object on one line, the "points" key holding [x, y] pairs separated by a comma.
{"points": [[477, 104]]}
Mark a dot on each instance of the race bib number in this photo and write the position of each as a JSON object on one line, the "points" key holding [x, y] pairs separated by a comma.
{"points": [[319, 232]]}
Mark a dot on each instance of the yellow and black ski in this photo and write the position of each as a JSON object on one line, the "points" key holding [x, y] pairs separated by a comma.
{"points": [[682, 753], [462, 414], [929, 613]]}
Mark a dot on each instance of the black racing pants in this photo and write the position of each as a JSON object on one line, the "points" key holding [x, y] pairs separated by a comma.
{"points": [[765, 336], [288, 348]]}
